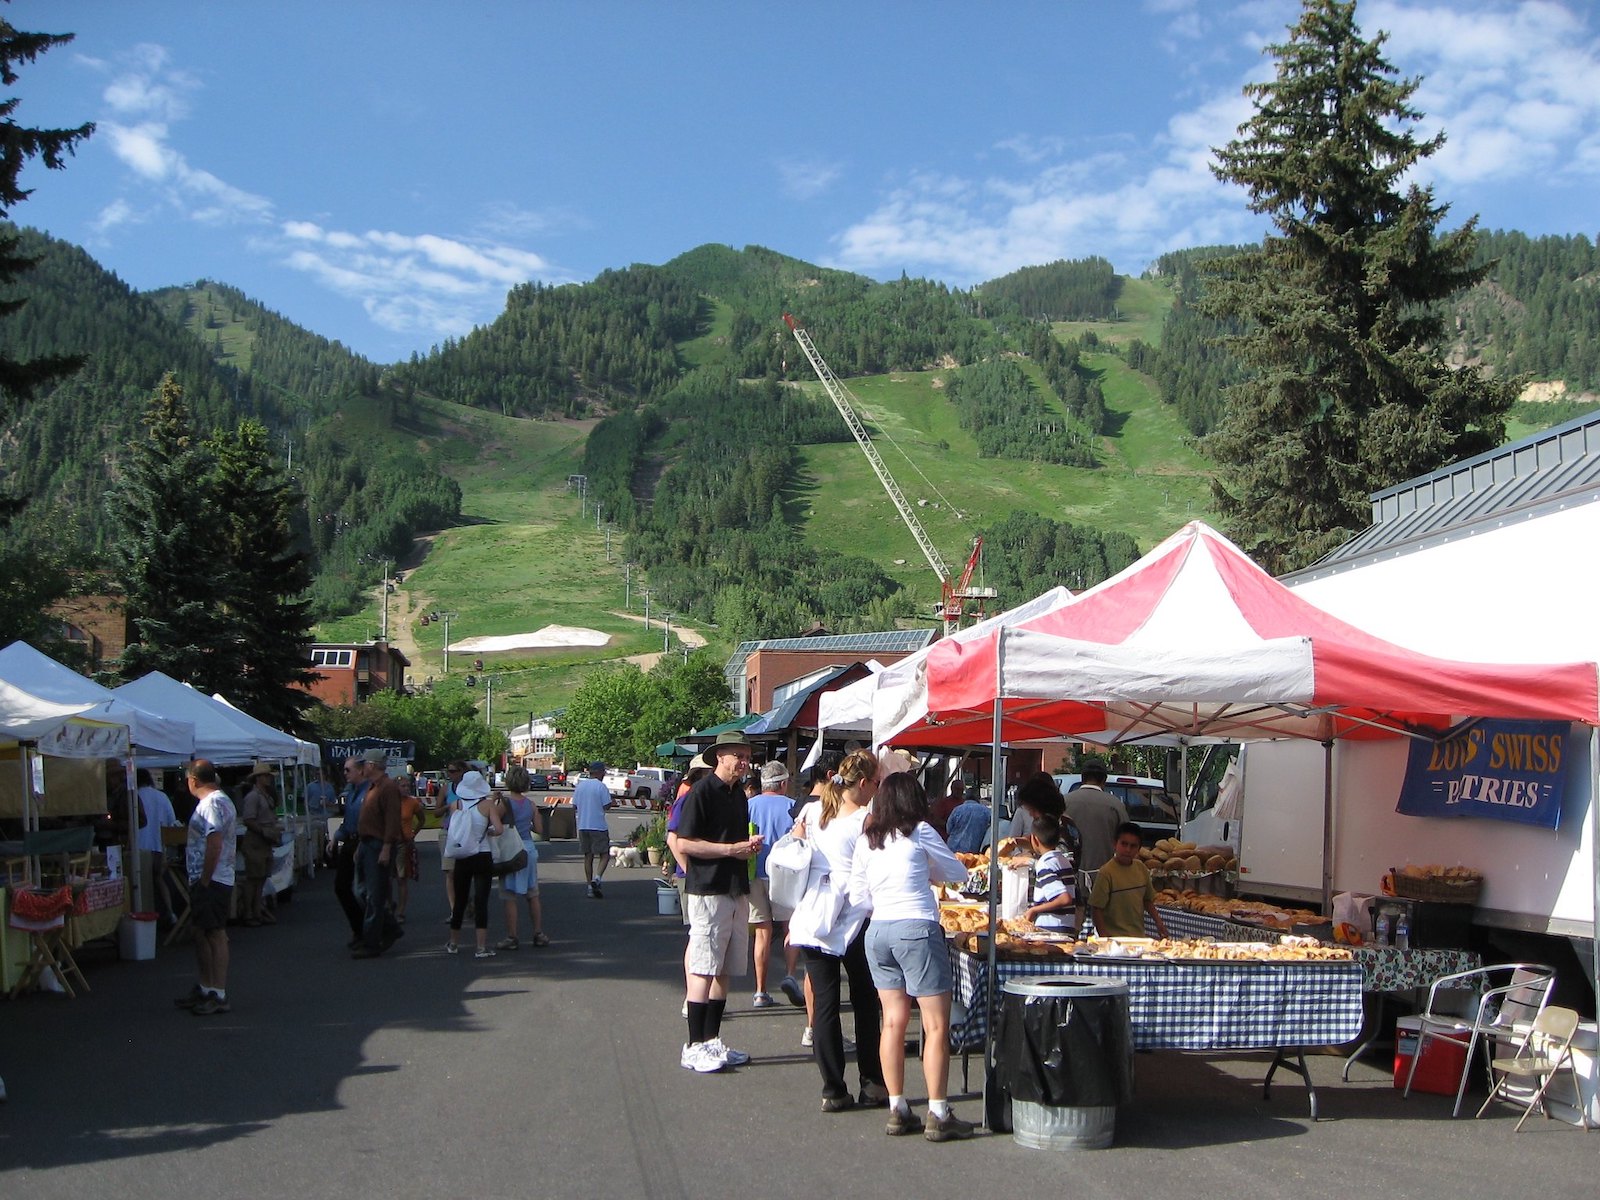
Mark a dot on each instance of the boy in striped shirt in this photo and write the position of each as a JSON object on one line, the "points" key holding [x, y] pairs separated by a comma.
{"points": [[1055, 875]]}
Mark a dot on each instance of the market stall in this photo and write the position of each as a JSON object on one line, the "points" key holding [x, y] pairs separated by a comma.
{"points": [[151, 735], [35, 934], [1196, 642], [1220, 1006], [230, 737]]}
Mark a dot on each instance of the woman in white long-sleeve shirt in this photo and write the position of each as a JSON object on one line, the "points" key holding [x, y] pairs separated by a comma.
{"points": [[897, 861], [832, 826]]}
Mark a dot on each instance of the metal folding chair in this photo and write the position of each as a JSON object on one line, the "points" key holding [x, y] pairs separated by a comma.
{"points": [[1541, 1054], [1508, 999]]}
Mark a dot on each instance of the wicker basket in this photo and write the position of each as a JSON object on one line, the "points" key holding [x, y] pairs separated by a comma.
{"points": [[1439, 891]]}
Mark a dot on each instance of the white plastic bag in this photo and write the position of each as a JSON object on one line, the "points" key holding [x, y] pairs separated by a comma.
{"points": [[788, 871]]}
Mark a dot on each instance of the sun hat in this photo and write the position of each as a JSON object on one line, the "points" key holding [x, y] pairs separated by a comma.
{"points": [[774, 773], [731, 740], [261, 768], [377, 756], [473, 786], [699, 762]]}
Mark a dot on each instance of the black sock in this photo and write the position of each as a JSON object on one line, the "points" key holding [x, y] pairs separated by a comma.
{"points": [[697, 1021], [714, 1018]]}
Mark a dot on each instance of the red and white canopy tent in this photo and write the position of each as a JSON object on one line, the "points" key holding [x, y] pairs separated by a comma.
{"points": [[1195, 641]]}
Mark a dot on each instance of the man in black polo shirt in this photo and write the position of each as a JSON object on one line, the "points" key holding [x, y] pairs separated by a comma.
{"points": [[715, 841]]}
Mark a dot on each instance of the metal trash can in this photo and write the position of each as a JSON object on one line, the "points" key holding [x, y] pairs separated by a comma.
{"points": [[1064, 1056], [560, 822]]}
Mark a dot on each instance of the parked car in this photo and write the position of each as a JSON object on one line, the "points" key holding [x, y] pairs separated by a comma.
{"points": [[538, 782]]}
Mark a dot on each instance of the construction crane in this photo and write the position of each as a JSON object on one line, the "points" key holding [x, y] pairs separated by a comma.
{"points": [[955, 595]]}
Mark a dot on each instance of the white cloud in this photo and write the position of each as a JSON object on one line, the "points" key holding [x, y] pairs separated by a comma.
{"points": [[1516, 88], [1111, 203], [412, 283], [807, 177], [118, 212], [146, 95]]}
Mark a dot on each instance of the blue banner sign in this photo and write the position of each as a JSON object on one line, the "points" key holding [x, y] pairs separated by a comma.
{"points": [[1501, 770]]}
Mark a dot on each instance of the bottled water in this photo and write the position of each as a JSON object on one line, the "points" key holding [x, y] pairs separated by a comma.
{"points": [[1402, 933], [1382, 935]]}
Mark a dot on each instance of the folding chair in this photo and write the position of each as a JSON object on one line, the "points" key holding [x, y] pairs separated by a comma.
{"points": [[1540, 1055], [1509, 998]]}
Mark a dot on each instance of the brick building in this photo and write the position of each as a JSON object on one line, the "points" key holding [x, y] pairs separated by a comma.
{"points": [[350, 672]]}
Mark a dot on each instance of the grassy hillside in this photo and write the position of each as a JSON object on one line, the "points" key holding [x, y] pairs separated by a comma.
{"points": [[525, 559], [1151, 482], [1142, 306]]}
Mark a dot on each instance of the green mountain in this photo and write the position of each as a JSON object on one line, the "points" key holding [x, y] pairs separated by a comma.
{"points": [[1051, 410]]}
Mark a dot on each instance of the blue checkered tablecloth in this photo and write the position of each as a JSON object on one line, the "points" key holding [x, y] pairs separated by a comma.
{"points": [[1383, 968], [1194, 1006]]}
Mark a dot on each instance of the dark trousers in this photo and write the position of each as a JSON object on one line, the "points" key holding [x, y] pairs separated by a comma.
{"points": [[378, 926], [344, 886], [474, 876], [826, 1031]]}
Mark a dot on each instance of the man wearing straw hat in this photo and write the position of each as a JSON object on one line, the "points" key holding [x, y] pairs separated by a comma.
{"points": [[716, 844], [258, 813]]}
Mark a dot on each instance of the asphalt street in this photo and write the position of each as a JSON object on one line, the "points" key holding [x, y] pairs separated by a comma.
{"points": [[554, 1072]]}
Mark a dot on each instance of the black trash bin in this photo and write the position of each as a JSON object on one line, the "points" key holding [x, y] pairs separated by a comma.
{"points": [[1064, 1057]]}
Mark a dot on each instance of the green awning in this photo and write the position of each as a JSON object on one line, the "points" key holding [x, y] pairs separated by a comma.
{"points": [[706, 736]]}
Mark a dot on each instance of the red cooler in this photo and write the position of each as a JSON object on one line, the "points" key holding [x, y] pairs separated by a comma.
{"points": [[1443, 1059]]}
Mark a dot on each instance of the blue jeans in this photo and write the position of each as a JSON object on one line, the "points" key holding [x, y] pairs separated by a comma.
{"points": [[378, 927]]}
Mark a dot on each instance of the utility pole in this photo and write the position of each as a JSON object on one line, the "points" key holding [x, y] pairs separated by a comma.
{"points": [[627, 587], [446, 617], [666, 633], [608, 543], [645, 592], [488, 711], [384, 628]]}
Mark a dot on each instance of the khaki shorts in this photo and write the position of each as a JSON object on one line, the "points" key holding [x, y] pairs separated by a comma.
{"points": [[594, 841], [719, 935], [762, 909]]}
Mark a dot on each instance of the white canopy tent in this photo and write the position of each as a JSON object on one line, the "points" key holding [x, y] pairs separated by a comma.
{"points": [[222, 733], [306, 753], [42, 676]]}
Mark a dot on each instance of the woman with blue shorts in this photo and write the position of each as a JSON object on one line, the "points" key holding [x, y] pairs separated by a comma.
{"points": [[520, 811], [897, 861]]}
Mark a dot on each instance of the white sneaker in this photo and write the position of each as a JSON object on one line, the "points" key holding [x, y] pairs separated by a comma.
{"points": [[725, 1052], [805, 1038], [698, 1057]]}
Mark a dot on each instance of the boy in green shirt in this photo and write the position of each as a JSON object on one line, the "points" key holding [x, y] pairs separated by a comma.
{"points": [[1123, 892]]}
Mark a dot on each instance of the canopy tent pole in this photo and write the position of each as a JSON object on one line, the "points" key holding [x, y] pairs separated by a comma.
{"points": [[1594, 848], [996, 789], [135, 868], [1327, 828]]}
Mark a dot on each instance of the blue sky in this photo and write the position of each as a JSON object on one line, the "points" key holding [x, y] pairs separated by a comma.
{"points": [[382, 173]]}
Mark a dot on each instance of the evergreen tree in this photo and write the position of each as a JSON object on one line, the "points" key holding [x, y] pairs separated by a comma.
{"points": [[19, 145], [1346, 391], [171, 555], [271, 573]]}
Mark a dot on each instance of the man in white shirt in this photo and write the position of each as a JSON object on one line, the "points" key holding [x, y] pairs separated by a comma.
{"points": [[591, 798], [158, 815], [209, 858]]}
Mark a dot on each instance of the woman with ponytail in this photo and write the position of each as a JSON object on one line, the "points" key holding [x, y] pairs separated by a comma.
{"points": [[831, 825]]}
